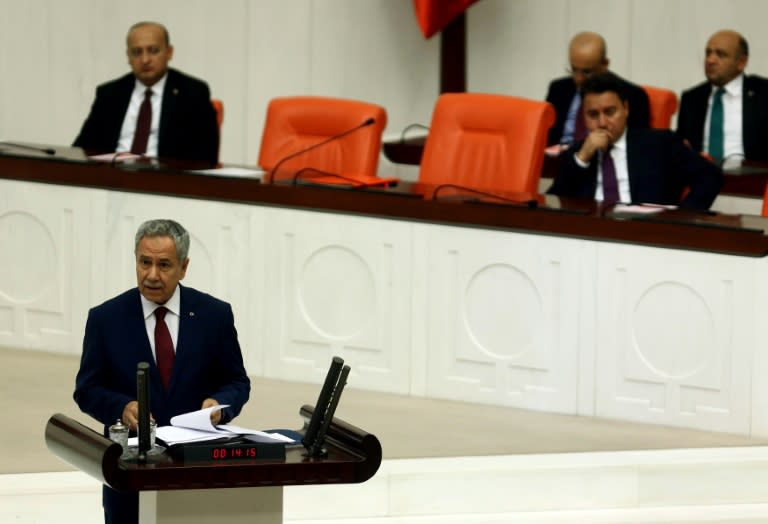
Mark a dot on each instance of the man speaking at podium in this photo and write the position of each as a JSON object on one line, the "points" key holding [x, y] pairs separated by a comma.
{"points": [[188, 338], [153, 111]]}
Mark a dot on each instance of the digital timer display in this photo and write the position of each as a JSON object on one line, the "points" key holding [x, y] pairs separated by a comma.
{"points": [[238, 449], [234, 453]]}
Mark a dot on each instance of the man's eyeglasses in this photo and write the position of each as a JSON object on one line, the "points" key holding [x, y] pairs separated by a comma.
{"points": [[580, 71]]}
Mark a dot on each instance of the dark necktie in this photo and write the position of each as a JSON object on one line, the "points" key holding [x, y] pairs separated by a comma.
{"points": [[143, 125], [716, 126], [164, 354], [580, 128], [610, 183]]}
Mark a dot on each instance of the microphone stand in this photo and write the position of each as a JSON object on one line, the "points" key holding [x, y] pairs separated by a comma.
{"points": [[46, 150], [271, 177]]}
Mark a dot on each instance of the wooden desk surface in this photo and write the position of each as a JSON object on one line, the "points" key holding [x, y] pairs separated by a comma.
{"points": [[729, 234]]}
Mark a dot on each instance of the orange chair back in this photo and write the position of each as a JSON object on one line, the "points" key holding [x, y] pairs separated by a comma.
{"points": [[487, 142], [663, 104], [218, 106], [765, 202], [295, 123]]}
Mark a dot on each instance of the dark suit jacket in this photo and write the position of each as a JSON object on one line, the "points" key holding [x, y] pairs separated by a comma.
{"points": [[208, 364], [561, 93], [208, 359], [693, 114], [660, 168], [188, 128]]}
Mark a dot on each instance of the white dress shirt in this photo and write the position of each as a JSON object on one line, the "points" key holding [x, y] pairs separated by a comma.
{"points": [[132, 115], [171, 318], [733, 142]]}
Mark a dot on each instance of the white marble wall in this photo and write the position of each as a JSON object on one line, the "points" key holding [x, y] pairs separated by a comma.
{"points": [[539, 322], [55, 52]]}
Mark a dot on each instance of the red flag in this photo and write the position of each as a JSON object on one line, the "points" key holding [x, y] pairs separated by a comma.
{"points": [[434, 15]]}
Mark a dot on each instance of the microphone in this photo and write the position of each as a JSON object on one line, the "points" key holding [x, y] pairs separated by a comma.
{"points": [[323, 401], [526, 200], [46, 150], [316, 449], [142, 395], [271, 178], [409, 127]]}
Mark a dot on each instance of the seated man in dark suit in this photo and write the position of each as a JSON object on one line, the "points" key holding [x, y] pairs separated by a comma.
{"points": [[153, 111], [739, 102], [187, 337], [616, 163], [587, 56]]}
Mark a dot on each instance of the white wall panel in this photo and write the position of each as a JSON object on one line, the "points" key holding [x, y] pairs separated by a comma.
{"points": [[540, 322], [339, 286], [503, 318], [674, 345], [42, 230]]}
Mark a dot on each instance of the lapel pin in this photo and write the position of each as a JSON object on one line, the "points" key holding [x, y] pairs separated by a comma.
{"points": [[191, 313], [750, 93], [175, 91]]}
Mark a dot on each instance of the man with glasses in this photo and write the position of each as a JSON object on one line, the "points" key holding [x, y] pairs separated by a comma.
{"points": [[587, 56], [153, 111]]}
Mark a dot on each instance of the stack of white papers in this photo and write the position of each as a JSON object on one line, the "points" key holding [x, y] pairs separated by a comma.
{"points": [[196, 426], [230, 171]]}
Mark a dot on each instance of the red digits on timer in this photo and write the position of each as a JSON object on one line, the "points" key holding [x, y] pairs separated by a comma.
{"points": [[224, 453]]}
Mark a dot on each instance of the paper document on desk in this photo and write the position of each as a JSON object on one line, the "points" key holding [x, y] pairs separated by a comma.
{"points": [[123, 156], [240, 172], [196, 426], [261, 436]]}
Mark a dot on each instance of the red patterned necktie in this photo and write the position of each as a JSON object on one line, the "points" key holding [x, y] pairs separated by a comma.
{"points": [[164, 354], [143, 125]]}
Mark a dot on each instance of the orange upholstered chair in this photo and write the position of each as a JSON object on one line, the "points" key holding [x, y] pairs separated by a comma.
{"points": [[296, 123], [218, 106], [765, 202], [663, 104], [487, 142]]}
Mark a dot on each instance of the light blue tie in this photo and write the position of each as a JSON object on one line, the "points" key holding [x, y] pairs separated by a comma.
{"points": [[716, 126]]}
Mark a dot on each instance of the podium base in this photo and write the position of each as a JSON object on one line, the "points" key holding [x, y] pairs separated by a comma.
{"points": [[203, 506]]}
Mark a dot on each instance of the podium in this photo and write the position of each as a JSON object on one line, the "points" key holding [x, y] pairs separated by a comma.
{"points": [[236, 492]]}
